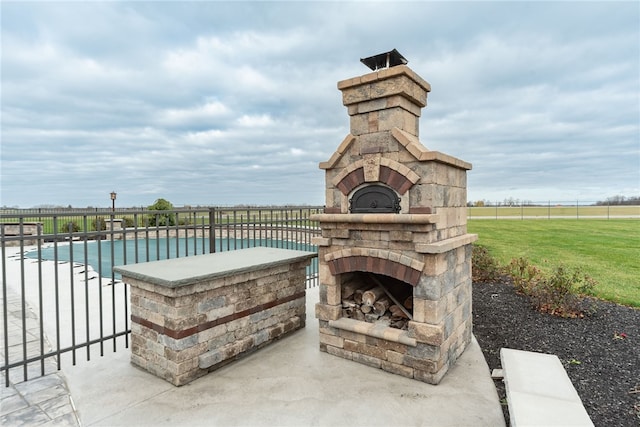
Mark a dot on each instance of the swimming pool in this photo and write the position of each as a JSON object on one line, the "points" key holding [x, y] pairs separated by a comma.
{"points": [[103, 255]]}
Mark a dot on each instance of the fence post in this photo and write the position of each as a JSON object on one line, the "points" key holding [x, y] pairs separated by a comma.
{"points": [[212, 230]]}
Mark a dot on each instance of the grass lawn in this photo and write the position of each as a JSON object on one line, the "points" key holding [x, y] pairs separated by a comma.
{"points": [[607, 250]]}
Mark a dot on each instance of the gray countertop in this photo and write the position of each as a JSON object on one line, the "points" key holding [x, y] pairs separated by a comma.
{"points": [[192, 269]]}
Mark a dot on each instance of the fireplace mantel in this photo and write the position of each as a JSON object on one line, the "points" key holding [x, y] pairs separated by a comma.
{"points": [[376, 218]]}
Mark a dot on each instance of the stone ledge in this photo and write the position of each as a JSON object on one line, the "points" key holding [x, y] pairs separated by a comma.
{"points": [[383, 74], [445, 245], [377, 218], [421, 153], [346, 142], [321, 241], [373, 330], [179, 272], [539, 391]]}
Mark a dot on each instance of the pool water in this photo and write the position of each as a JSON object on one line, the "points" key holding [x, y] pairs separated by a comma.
{"points": [[103, 255]]}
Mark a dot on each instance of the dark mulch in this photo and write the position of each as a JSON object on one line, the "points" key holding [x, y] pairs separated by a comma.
{"points": [[603, 367]]}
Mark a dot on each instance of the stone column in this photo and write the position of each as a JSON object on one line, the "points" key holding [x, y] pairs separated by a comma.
{"points": [[379, 101]]}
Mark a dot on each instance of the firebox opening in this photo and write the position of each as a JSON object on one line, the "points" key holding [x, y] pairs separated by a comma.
{"points": [[374, 198], [376, 298]]}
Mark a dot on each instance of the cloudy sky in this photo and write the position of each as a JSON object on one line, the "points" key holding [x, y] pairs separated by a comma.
{"points": [[224, 103]]}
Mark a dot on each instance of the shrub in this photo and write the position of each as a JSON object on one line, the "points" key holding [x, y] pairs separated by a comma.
{"points": [[162, 218], [525, 275], [69, 227], [185, 220], [484, 268], [562, 292], [99, 224], [559, 293]]}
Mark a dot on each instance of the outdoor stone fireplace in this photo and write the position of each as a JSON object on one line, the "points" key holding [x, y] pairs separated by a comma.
{"points": [[394, 255]]}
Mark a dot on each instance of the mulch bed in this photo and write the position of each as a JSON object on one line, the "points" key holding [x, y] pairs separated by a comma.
{"points": [[600, 352]]}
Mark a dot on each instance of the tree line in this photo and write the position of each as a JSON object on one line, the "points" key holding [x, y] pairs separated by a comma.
{"points": [[620, 200]]}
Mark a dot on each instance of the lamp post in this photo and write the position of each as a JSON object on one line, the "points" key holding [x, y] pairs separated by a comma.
{"points": [[113, 201]]}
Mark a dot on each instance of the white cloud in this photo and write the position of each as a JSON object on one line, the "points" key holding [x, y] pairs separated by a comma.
{"points": [[260, 121], [199, 114], [224, 103]]}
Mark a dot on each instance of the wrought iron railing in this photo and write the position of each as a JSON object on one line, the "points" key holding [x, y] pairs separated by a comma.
{"points": [[59, 292]]}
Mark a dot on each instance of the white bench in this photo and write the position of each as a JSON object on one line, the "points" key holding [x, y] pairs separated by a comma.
{"points": [[539, 391]]}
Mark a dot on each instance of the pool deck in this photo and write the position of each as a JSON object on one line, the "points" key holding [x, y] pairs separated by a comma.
{"points": [[287, 383]]}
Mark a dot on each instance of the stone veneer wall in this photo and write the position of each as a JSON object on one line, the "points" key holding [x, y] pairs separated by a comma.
{"points": [[181, 333]]}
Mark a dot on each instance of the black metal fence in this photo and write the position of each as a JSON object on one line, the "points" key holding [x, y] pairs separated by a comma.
{"points": [[59, 292], [551, 210]]}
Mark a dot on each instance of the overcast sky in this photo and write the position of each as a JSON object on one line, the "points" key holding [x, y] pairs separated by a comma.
{"points": [[224, 103]]}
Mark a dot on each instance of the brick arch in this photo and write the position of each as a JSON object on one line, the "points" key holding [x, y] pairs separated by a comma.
{"points": [[395, 179], [352, 180], [400, 267], [395, 175]]}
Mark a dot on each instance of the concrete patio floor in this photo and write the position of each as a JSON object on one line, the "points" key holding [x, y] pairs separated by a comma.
{"points": [[289, 383]]}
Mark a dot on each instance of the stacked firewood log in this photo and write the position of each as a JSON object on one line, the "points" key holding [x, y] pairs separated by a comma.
{"points": [[374, 303]]}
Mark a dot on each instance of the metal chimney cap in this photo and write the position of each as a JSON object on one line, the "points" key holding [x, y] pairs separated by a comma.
{"points": [[384, 60]]}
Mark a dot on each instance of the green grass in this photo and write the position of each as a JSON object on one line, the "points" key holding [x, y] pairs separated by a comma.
{"points": [[607, 250]]}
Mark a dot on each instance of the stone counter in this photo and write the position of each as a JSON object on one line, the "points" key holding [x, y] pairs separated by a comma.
{"points": [[21, 230], [192, 315]]}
